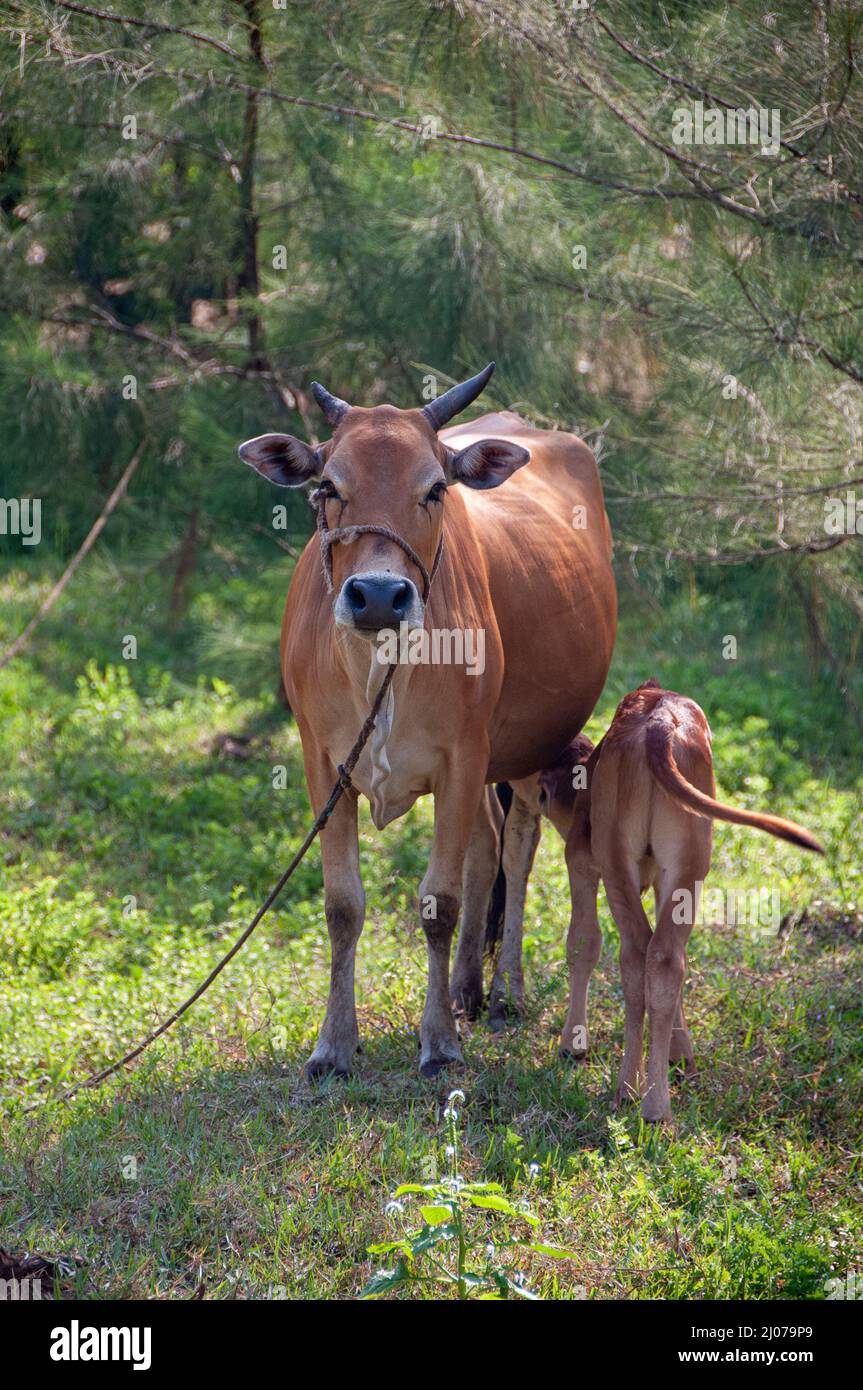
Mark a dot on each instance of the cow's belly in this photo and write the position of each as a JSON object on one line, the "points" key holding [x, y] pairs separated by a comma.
{"points": [[515, 755], [554, 667]]}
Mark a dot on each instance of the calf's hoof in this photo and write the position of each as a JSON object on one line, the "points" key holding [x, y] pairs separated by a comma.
{"points": [[656, 1108], [654, 1115], [626, 1092], [571, 1054], [687, 1066]]}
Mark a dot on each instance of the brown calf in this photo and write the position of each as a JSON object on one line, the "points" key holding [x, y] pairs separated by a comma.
{"points": [[643, 820]]}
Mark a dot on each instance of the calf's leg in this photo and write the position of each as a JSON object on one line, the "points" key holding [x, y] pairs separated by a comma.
{"points": [[681, 1049], [583, 943], [682, 847], [622, 883], [665, 968]]}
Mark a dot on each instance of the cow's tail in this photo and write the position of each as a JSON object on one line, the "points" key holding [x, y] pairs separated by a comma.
{"points": [[660, 760], [497, 901]]}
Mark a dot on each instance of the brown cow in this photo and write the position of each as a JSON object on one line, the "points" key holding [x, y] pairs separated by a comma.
{"points": [[525, 568], [638, 810]]}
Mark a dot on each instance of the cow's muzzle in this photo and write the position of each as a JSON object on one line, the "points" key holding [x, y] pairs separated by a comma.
{"points": [[376, 601]]}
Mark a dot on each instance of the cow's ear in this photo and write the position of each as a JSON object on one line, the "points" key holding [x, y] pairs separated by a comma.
{"points": [[487, 463], [281, 458]]}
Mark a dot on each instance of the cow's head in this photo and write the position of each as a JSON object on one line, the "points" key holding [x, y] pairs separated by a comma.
{"points": [[385, 467]]}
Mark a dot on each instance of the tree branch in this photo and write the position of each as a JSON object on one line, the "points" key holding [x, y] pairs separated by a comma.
{"points": [[149, 24], [700, 89], [89, 541]]}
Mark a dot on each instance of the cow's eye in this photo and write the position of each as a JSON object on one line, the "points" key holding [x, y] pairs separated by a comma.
{"points": [[326, 490], [436, 493]]}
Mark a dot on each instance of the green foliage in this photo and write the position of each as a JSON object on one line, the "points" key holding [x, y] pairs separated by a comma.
{"points": [[453, 1249]]}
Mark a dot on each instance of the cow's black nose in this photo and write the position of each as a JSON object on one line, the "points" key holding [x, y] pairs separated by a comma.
{"points": [[378, 601]]}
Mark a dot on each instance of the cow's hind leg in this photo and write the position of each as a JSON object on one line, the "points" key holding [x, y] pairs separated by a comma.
{"points": [[344, 904], [520, 839], [480, 870], [457, 802]]}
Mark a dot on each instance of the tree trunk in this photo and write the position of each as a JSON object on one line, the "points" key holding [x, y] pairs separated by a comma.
{"points": [[187, 557], [248, 282]]}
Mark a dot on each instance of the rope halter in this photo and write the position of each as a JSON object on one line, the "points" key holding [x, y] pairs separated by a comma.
{"points": [[328, 539]]}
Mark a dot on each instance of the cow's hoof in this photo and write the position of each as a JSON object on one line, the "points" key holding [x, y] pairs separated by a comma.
{"points": [[467, 1001], [503, 1013], [319, 1068], [434, 1066], [438, 1061], [568, 1054]]}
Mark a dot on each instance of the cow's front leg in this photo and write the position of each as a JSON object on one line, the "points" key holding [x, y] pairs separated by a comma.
{"points": [[521, 834], [344, 904], [480, 871], [457, 801]]}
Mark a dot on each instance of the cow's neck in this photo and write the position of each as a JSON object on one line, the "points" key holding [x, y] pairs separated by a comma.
{"points": [[355, 657], [358, 660]]}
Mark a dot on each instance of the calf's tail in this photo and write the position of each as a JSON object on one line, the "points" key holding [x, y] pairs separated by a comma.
{"points": [[660, 760]]}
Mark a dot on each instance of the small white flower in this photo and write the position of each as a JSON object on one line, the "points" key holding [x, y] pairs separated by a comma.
{"points": [[393, 1208], [455, 1095], [533, 1170]]}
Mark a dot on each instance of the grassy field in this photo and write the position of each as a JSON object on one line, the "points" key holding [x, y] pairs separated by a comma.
{"points": [[133, 854]]}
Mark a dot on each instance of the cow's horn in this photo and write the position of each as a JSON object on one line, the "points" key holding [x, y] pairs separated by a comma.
{"points": [[334, 410], [456, 399]]}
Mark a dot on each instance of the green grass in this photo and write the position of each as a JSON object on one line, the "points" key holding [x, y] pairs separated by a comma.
{"points": [[133, 856]]}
